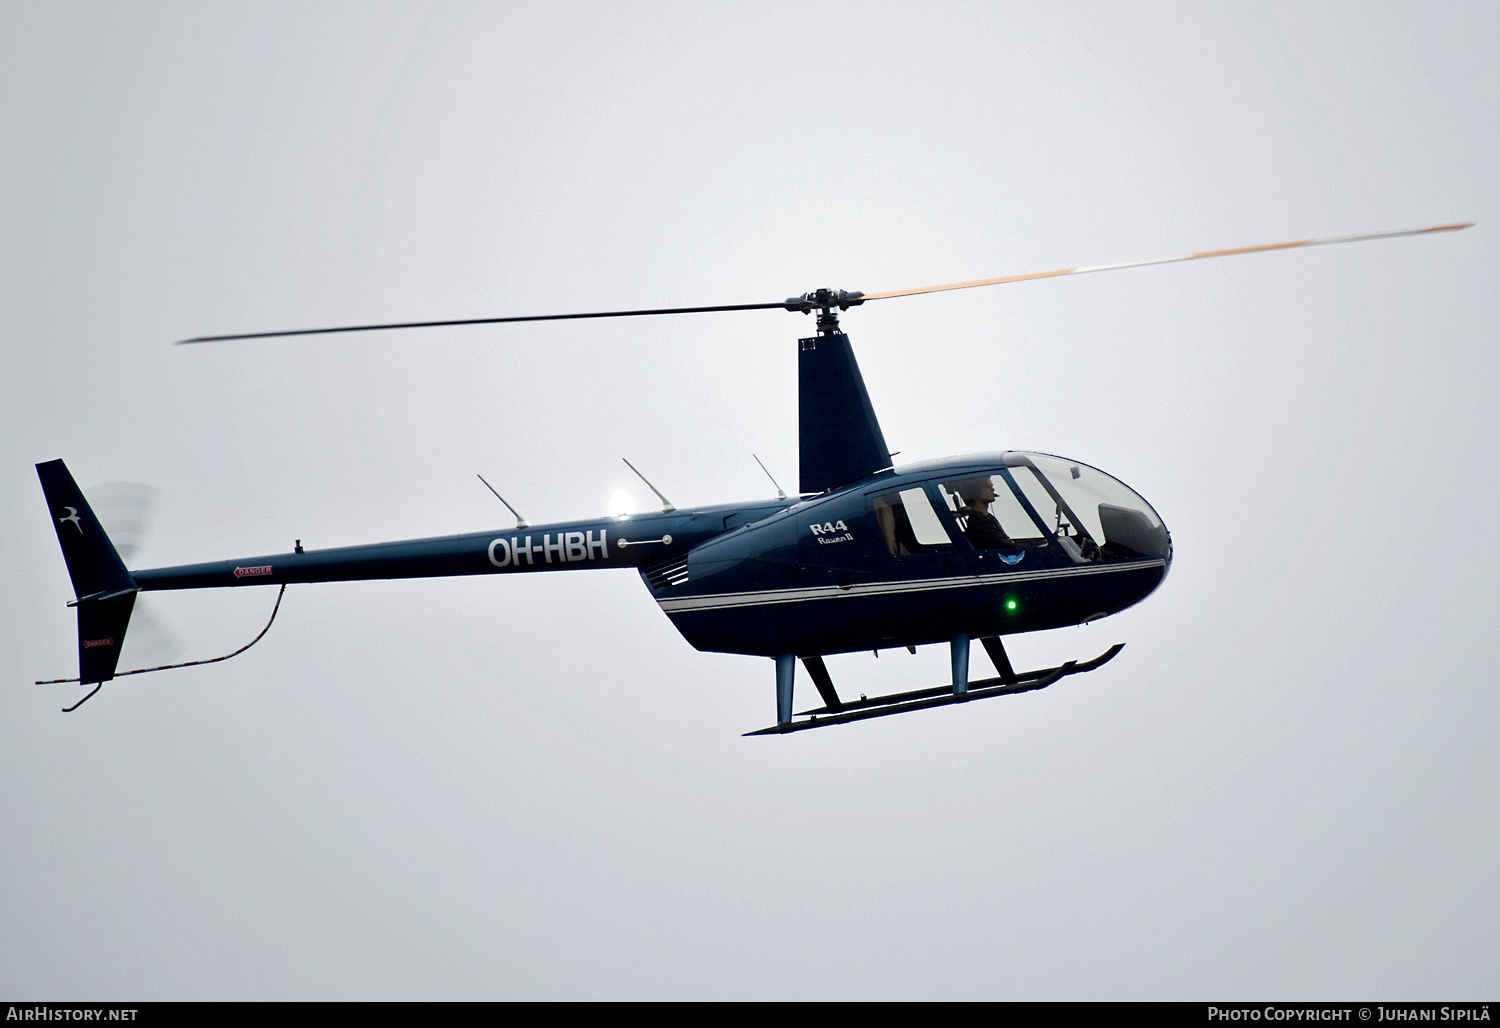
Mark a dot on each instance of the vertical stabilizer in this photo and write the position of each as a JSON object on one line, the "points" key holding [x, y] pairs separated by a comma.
{"points": [[105, 591]]}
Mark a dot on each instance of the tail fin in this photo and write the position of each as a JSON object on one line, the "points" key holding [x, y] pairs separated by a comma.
{"points": [[105, 590]]}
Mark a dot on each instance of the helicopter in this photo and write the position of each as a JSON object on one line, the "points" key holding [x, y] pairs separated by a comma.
{"points": [[868, 555]]}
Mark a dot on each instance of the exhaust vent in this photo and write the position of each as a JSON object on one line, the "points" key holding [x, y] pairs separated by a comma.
{"points": [[666, 573]]}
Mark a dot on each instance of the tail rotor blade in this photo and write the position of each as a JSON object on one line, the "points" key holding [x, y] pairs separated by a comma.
{"points": [[126, 511], [151, 642]]}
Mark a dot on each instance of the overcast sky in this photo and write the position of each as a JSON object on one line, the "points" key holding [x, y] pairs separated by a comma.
{"points": [[534, 788]]}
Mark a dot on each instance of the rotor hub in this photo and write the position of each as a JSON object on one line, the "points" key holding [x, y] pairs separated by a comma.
{"points": [[824, 301]]}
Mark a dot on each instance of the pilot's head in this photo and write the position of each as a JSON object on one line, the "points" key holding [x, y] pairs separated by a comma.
{"points": [[976, 491]]}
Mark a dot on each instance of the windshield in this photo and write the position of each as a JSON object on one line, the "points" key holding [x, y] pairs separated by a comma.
{"points": [[1084, 504]]}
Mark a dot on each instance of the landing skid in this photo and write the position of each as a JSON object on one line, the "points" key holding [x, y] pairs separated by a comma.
{"points": [[921, 699]]}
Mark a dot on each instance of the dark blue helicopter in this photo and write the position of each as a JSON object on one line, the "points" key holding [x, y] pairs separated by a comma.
{"points": [[869, 556]]}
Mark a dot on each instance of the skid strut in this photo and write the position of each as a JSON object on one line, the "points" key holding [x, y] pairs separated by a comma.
{"points": [[819, 672], [921, 699]]}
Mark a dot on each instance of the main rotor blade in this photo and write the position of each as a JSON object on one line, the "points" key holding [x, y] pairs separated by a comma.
{"points": [[485, 321], [821, 298], [1163, 260]]}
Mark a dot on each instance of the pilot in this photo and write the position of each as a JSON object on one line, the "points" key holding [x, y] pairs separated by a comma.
{"points": [[981, 528]]}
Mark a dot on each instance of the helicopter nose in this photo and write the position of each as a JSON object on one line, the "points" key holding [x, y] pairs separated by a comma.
{"points": [[1166, 557]]}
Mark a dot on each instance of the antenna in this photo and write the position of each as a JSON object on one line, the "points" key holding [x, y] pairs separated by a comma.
{"points": [[520, 521], [779, 494], [666, 504]]}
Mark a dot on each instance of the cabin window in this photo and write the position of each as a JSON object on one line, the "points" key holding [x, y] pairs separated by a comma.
{"points": [[908, 522], [989, 514]]}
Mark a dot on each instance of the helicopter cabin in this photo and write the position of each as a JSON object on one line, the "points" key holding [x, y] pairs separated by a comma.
{"points": [[986, 545]]}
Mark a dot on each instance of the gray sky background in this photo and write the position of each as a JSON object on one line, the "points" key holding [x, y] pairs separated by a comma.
{"points": [[1285, 786]]}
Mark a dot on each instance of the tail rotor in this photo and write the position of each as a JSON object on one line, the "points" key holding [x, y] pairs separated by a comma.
{"points": [[127, 511]]}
